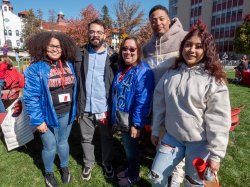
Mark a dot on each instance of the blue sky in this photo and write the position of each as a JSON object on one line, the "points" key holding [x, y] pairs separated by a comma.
{"points": [[71, 8]]}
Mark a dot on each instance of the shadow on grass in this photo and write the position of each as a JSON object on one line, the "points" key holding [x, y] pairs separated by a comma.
{"points": [[119, 158], [236, 82], [34, 149]]}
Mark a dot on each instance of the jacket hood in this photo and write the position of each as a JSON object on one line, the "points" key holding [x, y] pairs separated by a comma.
{"points": [[168, 43], [175, 28]]}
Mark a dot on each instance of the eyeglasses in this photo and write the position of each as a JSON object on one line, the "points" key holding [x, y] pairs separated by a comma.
{"points": [[131, 49], [92, 33], [57, 47]]}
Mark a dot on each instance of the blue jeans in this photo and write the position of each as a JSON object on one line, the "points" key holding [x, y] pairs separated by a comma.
{"points": [[56, 140], [2, 108], [167, 158], [132, 154]]}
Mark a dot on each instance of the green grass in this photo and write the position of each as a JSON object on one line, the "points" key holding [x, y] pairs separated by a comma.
{"points": [[23, 166]]}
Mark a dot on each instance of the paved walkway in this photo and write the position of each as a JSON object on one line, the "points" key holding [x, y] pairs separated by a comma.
{"points": [[12, 53]]}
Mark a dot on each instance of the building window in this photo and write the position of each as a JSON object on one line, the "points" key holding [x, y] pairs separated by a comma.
{"points": [[240, 2], [218, 7], [18, 43], [5, 32], [235, 2], [239, 15], [221, 32], [21, 40], [5, 9], [17, 32], [10, 33], [226, 31], [229, 4], [233, 16], [232, 31], [224, 5], [228, 17], [199, 11]]}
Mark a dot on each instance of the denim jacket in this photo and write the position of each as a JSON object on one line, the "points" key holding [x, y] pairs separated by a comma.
{"points": [[37, 97]]}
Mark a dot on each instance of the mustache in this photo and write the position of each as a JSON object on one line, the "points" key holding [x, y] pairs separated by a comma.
{"points": [[95, 38]]}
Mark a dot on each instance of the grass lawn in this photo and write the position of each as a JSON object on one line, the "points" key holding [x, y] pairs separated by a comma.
{"points": [[23, 167]]}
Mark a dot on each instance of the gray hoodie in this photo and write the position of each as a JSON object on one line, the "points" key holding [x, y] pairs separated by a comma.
{"points": [[158, 50], [193, 107]]}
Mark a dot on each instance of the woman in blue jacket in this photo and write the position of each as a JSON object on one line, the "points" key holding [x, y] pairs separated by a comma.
{"points": [[132, 91], [49, 96]]}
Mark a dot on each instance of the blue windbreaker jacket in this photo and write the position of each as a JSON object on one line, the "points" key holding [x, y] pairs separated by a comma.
{"points": [[37, 97], [134, 94]]}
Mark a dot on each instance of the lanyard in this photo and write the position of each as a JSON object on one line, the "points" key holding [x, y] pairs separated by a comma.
{"points": [[123, 74], [61, 74]]}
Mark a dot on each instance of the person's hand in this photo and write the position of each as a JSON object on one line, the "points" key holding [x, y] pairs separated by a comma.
{"points": [[154, 140], [214, 166], [134, 133], [42, 128]]}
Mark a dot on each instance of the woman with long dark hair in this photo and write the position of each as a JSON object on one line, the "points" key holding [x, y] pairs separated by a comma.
{"points": [[192, 102], [49, 96]]}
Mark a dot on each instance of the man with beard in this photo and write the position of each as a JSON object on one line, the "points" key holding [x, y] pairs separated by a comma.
{"points": [[95, 67]]}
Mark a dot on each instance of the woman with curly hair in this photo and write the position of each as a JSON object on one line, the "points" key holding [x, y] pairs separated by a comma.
{"points": [[192, 102], [50, 97]]}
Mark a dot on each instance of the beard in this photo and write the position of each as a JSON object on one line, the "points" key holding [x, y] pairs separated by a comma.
{"points": [[96, 42]]}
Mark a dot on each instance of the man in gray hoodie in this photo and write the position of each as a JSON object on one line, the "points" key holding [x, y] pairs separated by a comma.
{"points": [[165, 42], [160, 53]]}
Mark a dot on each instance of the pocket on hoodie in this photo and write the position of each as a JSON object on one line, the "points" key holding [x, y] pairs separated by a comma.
{"points": [[184, 127]]}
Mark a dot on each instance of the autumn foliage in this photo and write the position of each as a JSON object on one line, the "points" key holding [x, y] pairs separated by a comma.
{"points": [[145, 32], [78, 28]]}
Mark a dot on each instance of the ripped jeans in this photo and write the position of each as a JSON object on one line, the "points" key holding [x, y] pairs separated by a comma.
{"points": [[167, 158]]}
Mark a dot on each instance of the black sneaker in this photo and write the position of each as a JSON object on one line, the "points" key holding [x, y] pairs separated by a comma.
{"points": [[108, 172], [86, 173], [50, 180], [66, 176]]}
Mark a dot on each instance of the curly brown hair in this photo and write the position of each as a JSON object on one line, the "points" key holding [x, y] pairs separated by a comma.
{"points": [[121, 61], [37, 45], [211, 57]]}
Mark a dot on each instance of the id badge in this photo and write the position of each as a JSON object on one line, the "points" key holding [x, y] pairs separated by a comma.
{"points": [[100, 116], [64, 98]]}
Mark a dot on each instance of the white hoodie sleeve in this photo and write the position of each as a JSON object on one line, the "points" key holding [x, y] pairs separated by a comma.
{"points": [[159, 107], [218, 121]]}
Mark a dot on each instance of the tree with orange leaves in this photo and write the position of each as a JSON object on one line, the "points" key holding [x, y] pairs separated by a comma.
{"points": [[128, 17], [145, 32], [78, 28]]}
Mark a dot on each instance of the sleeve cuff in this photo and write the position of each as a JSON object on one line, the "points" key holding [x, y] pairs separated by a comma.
{"points": [[214, 158]]}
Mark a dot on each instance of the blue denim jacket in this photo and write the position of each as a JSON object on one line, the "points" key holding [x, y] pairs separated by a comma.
{"points": [[37, 97]]}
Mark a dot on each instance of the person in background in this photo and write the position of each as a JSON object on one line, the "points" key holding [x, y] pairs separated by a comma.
{"points": [[3, 67], [95, 67], [50, 97], [132, 90], [5, 50], [243, 65], [17, 54], [165, 42], [192, 101]]}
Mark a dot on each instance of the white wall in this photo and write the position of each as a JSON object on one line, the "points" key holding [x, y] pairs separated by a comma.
{"points": [[11, 23]]}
